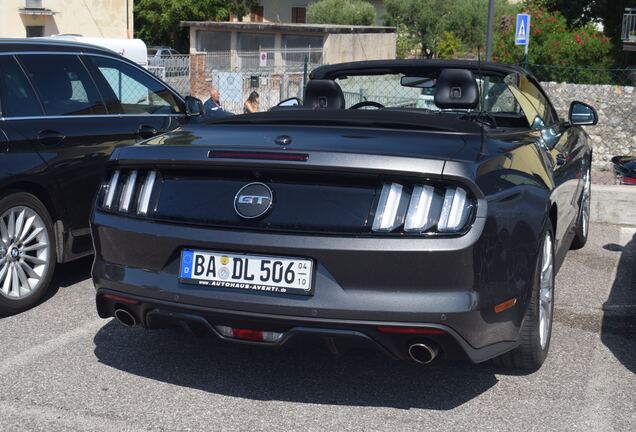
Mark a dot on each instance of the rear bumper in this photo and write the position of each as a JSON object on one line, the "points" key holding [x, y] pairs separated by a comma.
{"points": [[360, 284], [337, 335]]}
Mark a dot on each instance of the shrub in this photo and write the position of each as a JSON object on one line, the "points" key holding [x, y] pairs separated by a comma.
{"points": [[346, 12], [448, 45]]}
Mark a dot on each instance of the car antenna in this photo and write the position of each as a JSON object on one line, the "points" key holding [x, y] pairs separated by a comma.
{"points": [[482, 101]]}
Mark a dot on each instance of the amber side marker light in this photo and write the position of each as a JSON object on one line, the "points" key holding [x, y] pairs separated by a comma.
{"points": [[505, 305]]}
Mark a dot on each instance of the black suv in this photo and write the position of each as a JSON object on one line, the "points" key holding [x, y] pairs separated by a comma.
{"points": [[64, 107]]}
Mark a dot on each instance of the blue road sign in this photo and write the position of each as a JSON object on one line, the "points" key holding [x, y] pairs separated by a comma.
{"points": [[522, 29]]}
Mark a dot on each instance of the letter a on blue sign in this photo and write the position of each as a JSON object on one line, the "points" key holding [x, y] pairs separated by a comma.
{"points": [[522, 29]]}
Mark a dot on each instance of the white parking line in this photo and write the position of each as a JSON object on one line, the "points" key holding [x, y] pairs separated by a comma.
{"points": [[49, 346]]}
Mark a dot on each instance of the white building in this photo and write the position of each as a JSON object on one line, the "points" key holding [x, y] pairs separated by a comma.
{"points": [[92, 18]]}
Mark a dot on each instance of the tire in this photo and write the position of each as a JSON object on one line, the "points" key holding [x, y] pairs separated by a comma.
{"points": [[27, 258], [582, 227], [535, 340]]}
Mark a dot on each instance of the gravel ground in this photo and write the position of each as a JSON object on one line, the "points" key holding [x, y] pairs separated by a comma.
{"points": [[64, 369]]}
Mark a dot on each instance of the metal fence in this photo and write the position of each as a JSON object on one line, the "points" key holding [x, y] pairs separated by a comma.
{"points": [[278, 75], [174, 70], [583, 75]]}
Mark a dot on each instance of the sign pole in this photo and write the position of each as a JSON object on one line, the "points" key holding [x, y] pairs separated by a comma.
{"points": [[522, 35], [491, 18]]}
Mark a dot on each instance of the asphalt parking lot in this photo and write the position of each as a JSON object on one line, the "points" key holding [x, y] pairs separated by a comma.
{"points": [[63, 369]]}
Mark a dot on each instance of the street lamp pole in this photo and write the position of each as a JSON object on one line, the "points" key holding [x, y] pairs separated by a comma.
{"points": [[491, 18]]}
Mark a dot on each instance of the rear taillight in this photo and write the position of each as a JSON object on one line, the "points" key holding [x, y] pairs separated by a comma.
{"points": [[146, 192], [110, 189], [391, 208], [249, 334], [425, 209], [412, 330], [628, 180], [128, 191]]}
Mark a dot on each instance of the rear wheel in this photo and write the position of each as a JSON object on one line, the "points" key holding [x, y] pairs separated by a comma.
{"points": [[537, 324], [27, 252], [583, 220]]}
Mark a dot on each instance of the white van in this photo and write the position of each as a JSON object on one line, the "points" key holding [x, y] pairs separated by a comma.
{"points": [[132, 49]]}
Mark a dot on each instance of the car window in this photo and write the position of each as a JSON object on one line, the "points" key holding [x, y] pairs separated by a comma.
{"points": [[417, 92], [17, 97], [134, 91], [64, 85]]}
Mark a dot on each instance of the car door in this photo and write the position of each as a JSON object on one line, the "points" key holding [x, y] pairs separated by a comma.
{"points": [[564, 152], [144, 105], [74, 136], [20, 110]]}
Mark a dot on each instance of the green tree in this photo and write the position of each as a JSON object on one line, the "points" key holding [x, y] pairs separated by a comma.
{"points": [[346, 12], [427, 20], [157, 21], [608, 12]]}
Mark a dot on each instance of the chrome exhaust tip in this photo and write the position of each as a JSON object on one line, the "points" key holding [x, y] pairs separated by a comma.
{"points": [[125, 318], [423, 353]]}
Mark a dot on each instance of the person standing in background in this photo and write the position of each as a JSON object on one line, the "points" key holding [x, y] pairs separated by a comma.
{"points": [[213, 103], [251, 104]]}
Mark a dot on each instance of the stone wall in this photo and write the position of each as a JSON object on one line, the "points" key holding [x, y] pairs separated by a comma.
{"points": [[615, 133]]}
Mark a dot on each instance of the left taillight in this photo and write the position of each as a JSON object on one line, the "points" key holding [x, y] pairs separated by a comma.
{"points": [[128, 191]]}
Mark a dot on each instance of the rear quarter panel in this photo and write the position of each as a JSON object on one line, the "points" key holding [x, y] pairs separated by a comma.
{"points": [[517, 187]]}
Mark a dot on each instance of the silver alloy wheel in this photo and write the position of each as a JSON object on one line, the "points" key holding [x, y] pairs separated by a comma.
{"points": [[585, 203], [24, 252], [546, 291]]}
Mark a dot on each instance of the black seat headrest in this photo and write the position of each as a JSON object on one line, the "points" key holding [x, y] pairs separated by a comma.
{"points": [[325, 94], [456, 89]]}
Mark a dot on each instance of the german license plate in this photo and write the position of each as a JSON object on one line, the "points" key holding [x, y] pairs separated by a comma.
{"points": [[249, 272]]}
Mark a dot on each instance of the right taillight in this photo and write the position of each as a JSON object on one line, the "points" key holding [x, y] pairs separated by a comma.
{"points": [[423, 209]]}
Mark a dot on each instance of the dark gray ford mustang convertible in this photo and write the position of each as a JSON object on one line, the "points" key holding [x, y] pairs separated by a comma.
{"points": [[418, 207]]}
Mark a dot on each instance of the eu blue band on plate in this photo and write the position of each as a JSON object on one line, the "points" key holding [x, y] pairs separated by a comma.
{"points": [[187, 257]]}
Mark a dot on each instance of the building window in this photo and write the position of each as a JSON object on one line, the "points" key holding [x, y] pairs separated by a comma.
{"points": [[33, 4], [34, 31], [213, 41], [299, 15], [256, 14]]}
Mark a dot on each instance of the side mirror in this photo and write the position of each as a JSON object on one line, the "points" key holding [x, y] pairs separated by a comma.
{"points": [[582, 114], [194, 106], [291, 102]]}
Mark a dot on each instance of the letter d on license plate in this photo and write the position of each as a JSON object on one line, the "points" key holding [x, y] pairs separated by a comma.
{"points": [[251, 272]]}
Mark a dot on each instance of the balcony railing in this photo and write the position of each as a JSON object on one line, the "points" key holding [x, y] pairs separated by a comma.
{"points": [[629, 25], [34, 4], [35, 7]]}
